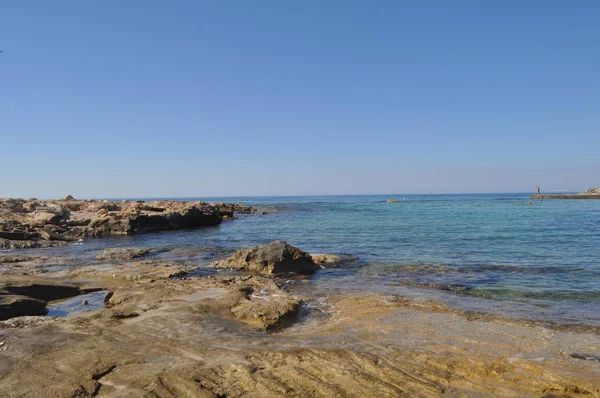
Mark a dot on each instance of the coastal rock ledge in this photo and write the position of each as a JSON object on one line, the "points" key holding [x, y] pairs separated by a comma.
{"points": [[592, 193], [36, 223]]}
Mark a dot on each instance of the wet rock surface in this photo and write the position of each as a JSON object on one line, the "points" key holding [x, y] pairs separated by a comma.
{"points": [[158, 332], [277, 257], [34, 223], [123, 253], [22, 295]]}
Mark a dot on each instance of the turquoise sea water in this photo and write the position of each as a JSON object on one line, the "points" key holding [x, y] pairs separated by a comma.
{"points": [[476, 252]]}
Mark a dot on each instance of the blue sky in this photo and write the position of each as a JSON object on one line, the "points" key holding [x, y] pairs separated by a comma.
{"points": [[213, 98]]}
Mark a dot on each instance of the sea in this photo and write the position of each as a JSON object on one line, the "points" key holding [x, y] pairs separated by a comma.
{"points": [[486, 253]]}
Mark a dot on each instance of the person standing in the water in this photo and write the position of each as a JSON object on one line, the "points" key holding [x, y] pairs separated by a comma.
{"points": [[538, 190]]}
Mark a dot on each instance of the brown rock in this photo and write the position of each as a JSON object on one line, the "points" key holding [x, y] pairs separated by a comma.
{"points": [[267, 314], [276, 257], [322, 258]]}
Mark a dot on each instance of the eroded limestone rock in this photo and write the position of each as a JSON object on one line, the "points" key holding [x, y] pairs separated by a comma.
{"points": [[277, 257]]}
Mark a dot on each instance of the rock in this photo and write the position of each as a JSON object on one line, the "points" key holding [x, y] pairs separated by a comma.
{"points": [[82, 219], [122, 253], [16, 305], [124, 314], [16, 259], [28, 244], [327, 258], [391, 200], [107, 297], [276, 257], [49, 235], [16, 235], [40, 288], [266, 314], [591, 191], [46, 217]]}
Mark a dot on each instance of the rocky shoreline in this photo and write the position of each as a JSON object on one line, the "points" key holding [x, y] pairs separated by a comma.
{"points": [[138, 325], [592, 193], [29, 223]]}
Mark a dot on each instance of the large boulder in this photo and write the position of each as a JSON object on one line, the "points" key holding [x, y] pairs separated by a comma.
{"points": [[276, 257]]}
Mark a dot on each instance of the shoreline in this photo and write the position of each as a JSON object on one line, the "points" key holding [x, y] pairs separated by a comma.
{"points": [[137, 323], [33, 223], [565, 196]]}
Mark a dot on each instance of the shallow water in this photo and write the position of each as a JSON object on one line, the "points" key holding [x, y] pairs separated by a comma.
{"points": [[77, 305], [478, 252]]}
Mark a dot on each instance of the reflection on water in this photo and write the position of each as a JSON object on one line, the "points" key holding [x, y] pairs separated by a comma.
{"points": [[77, 305]]}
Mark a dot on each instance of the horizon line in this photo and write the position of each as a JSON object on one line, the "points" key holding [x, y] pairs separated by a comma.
{"points": [[296, 195]]}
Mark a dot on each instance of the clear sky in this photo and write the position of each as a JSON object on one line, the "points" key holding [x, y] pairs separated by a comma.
{"points": [[212, 98]]}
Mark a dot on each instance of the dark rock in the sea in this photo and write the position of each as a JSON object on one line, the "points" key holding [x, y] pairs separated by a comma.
{"points": [[276, 257], [16, 305], [123, 253]]}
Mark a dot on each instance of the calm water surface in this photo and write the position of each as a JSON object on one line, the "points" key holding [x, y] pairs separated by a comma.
{"points": [[476, 252]]}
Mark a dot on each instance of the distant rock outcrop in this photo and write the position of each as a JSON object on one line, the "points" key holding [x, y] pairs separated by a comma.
{"points": [[592, 193], [36, 223]]}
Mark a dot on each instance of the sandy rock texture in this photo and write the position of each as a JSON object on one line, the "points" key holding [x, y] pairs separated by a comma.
{"points": [[142, 326], [244, 336]]}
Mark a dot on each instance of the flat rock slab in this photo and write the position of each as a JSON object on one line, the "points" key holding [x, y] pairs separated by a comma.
{"points": [[123, 253]]}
